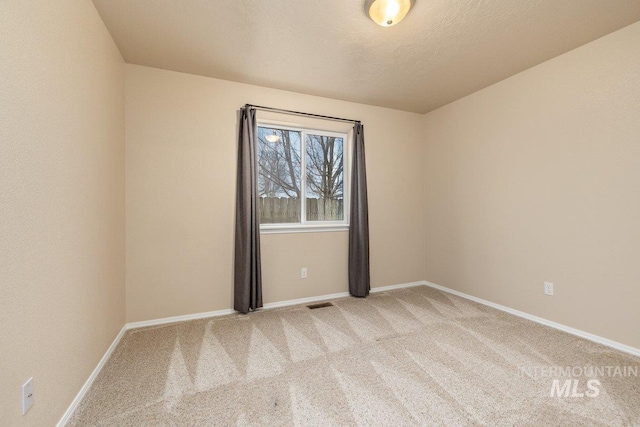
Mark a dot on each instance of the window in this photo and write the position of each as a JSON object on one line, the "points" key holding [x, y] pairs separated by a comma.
{"points": [[301, 179]]}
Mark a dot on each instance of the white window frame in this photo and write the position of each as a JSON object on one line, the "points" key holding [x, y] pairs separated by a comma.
{"points": [[313, 226]]}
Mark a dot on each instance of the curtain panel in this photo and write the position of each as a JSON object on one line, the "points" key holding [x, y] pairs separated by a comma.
{"points": [[359, 274], [247, 269]]}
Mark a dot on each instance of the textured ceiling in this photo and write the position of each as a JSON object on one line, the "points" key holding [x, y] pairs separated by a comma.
{"points": [[442, 51]]}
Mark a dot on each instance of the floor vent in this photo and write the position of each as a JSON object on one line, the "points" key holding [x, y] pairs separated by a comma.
{"points": [[320, 305]]}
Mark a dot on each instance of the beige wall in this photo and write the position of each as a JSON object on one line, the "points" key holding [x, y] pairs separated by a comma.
{"points": [[61, 202], [538, 178], [181, 166]]}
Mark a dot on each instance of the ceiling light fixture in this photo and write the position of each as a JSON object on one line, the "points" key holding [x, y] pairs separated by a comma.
{"points": [[272, 138], [387, 12]]}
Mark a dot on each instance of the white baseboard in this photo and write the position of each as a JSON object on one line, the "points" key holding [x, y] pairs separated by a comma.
{"points": [[319, 298], [175, 319], [267, 306], [586, 335], [307, 300], [76, 401], [400, 286]]}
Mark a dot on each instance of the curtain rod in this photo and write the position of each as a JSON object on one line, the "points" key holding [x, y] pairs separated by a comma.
{"points": [[299, 113]]}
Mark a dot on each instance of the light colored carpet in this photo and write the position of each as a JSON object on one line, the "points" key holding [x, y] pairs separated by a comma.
{"points": [[413, 356]]}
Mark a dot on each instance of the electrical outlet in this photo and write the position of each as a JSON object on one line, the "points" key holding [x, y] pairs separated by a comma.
{"points": [[303, 273], [548, 288], [27, 395]]}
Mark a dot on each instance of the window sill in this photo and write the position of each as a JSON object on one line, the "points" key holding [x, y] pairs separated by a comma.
{"points": [[287, 229]]}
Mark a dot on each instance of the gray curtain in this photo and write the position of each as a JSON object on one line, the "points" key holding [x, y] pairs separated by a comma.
{"points": [[247, 279], [359, 277]]}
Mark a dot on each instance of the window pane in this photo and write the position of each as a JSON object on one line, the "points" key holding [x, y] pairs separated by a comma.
{"points": [[324, 192], [279, 175]]}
